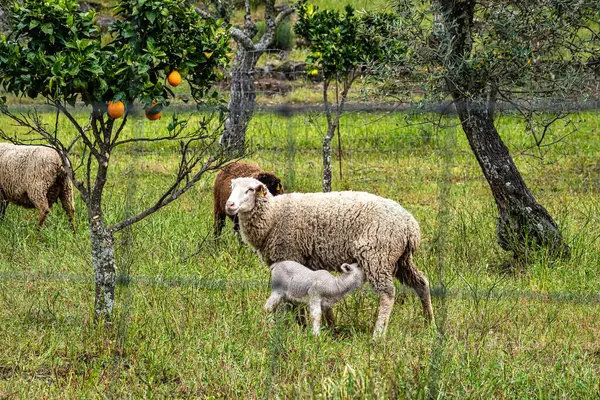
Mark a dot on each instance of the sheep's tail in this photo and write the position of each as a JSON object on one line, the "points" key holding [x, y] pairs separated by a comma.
{"points": [[405, 262]]}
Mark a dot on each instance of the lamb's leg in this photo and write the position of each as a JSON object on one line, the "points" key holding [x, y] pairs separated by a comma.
{"points": [[273, 302], [68, 204], [315, 315], [412, 277], [329, 318]]}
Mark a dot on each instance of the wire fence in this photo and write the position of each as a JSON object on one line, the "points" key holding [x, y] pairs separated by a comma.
{"points": [[373, 137]]}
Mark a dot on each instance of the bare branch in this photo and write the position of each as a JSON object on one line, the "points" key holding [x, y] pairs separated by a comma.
{"points": [[174, 192], [81, 131]]}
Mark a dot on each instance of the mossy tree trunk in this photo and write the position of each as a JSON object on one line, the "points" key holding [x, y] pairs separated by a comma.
{"points": [[522, 222]]}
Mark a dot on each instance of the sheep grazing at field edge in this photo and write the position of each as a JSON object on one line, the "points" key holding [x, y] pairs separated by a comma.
{"points": [[34, 177], [222, 189], [325, 230], [293, 282]]}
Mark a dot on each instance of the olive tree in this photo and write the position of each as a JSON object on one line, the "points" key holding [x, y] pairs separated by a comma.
{"points": [[344, 46], [524, 54], [242, 95], [57, 53]]}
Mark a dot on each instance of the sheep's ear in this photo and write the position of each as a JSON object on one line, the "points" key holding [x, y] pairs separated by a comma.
{"points": [[261, 190]]}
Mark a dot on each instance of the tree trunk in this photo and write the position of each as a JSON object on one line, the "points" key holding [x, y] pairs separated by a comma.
{"points": [[522, 222], [241, 102], [327, 158], [103, 261]]}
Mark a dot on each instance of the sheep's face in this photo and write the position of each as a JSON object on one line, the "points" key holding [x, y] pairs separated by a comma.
{"points": [[243, 195]]}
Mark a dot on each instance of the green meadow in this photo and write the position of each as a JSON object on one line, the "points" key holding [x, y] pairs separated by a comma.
{"points": [[189, 319]]}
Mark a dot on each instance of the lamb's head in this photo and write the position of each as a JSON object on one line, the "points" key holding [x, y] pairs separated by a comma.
{"points": [[244, 193], [354, 271]]}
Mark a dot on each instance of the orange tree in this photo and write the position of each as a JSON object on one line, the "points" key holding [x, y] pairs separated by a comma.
{"points": [[56, 52], [344, 46]]}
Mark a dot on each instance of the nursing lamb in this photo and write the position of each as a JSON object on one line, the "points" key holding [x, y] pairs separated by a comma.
{"points": [[293, 282]]}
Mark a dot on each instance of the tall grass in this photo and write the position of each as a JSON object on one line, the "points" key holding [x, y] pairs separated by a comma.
{"points": [[189, 319]]}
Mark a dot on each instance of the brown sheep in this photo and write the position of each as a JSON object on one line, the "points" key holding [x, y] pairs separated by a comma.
{"points": [[34, 177], [222, 189]]}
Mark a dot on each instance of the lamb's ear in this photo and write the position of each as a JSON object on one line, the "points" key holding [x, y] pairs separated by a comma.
{"points": [[345, 268]]}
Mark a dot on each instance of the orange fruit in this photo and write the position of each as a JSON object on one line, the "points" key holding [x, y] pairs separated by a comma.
{"points": [[152, 113], [174, 78], [116, 110], [314, 72]]}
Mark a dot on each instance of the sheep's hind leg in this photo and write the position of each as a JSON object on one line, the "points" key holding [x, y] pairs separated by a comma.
{"points": [[273, 302], [379, 275], [44, 208], [66, 200], [412, 277], [218, 223], [3, 204]]}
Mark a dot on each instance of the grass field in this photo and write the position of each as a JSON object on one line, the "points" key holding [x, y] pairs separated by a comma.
{"points": [[189, 320]]}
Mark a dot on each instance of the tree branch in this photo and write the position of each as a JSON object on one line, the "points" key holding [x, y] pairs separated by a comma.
{"points": [[202, 12], [173, 193], [242, 39], [272, 22], [86, 140]]}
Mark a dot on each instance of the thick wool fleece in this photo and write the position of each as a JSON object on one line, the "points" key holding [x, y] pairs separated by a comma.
{"points": [[324, 230], [33, 177], [222, 189]]}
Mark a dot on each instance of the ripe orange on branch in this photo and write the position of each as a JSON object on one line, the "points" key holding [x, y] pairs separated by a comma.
{"points": [[174, 78], [116, 109], [153, 113]]}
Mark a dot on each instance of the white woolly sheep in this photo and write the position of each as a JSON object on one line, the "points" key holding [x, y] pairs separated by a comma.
{"points": [[324, 230], [293, 282], [34, 177]]}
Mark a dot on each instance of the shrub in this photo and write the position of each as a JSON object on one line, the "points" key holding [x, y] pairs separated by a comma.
{"points": [[284, 35]]}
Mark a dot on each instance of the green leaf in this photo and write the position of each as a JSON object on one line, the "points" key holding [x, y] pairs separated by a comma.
{"points": [[47, 28], [33, 23], [151, 16]]}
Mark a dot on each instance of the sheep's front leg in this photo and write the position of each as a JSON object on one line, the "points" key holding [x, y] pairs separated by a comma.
{"points": [[315, 315]]}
